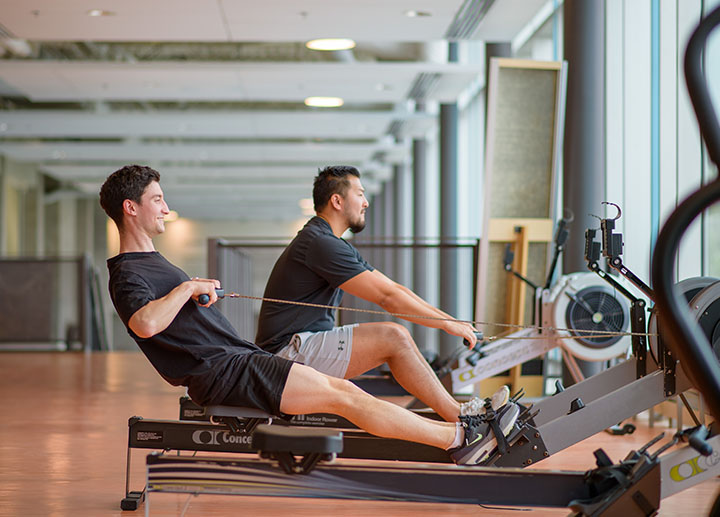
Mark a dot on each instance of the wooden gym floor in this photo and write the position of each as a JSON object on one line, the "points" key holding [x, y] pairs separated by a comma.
{"points": [[63, 441]]}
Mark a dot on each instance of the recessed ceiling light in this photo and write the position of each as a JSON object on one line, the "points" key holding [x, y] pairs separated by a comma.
{"points": [[417, 14], [99, 12], [324, 102], [330, 44], [172, 216]]}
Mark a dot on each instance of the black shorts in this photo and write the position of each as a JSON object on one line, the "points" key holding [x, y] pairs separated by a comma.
{"points": [[257, 380]]}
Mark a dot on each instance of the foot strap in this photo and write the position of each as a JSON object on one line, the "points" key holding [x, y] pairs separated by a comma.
{"points": [[493, 418]]}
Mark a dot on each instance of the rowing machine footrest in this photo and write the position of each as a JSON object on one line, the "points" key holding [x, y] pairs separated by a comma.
{"points": [[629, 488], [526, 443], [285, 443], [238, 419], [492, 419]]}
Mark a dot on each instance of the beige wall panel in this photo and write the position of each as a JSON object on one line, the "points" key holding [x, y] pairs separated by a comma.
{"points": [[523, 124], [522, 162]]}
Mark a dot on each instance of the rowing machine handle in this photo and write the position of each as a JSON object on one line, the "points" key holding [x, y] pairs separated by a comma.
{"points": [[204, 298], [476, 352], [478, 335]]}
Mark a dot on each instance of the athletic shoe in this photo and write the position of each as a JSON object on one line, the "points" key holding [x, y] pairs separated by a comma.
{"points": [[476, 406], [479, 439]]}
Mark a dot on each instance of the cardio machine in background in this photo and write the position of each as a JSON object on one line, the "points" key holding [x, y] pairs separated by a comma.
{"points": [[578, 313]]}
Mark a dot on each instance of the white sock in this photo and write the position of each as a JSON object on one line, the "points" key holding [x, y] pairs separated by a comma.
{"points": [[459, 435]]}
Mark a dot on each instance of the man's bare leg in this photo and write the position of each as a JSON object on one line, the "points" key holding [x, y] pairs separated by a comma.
{"points": [[309, 391], [376, 343]]}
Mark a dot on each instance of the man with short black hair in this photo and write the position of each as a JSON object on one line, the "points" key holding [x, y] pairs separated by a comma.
{"points": [[193, 345], [316, 268]]}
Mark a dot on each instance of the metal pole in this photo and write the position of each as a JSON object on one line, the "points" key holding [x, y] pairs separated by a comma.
{"points": [[496, 49], [584, 150], [388, 228], [420, 233], [448, 211]]}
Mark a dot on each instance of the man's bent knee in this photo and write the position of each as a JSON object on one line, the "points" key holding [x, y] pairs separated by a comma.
{"points": [[400, 337], [393, 332]]}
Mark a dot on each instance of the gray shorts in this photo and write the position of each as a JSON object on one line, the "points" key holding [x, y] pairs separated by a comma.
{"points": [[328, 351]]}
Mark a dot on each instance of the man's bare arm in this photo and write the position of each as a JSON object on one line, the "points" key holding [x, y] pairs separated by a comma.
{"points": [[377, 288], [157, 315]]}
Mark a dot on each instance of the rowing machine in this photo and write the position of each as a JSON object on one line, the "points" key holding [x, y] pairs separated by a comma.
{"points": [[633, 487], [565, 312], [231, 429], [627, 388]]}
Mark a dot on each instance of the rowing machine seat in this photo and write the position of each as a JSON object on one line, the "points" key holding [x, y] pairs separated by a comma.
{"points": [[272, 438], [235, 411], [285, 443]]}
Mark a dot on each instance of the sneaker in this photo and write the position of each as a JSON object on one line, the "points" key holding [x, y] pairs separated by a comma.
{"points": [[476, 406], [479, 439]]}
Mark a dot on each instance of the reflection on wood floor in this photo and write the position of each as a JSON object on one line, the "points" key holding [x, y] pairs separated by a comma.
{"points": [[63, 440]]}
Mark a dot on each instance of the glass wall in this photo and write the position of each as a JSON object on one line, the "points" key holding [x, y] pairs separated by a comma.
{"points": [[655, 156]]}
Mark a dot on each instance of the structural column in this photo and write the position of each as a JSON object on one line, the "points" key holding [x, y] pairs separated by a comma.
{"points": [[495, 49], [420, 234], [403, 224], [448, 211], [388, 231], [584, 149]]}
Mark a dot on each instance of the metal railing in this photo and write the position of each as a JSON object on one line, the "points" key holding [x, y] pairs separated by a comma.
{"points": [[50, 304], [245, 265]]}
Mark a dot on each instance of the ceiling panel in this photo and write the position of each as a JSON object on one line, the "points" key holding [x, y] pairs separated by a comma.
{"points": [[310, 152], [371, 20], [233, 173], [506, 18], [288, 82], [228, 20], [133, 20], [186, 124]]}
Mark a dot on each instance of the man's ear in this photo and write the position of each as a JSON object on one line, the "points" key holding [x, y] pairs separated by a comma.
{"points": [[336, 201], [129, 207]]}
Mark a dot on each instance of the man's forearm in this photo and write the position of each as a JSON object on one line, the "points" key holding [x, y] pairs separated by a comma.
{"points": [[436, 312], [158, 314], [404, 301]]}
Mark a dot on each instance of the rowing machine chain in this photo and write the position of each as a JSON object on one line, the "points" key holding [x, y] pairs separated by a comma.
{"points": [[585, 333]]}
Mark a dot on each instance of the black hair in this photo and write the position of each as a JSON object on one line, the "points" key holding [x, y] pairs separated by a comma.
{"points": [[129, 182], [331, 180]]}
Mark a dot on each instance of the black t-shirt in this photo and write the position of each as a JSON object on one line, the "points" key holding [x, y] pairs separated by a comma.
{"points": [[200, 349], [310, 270]]}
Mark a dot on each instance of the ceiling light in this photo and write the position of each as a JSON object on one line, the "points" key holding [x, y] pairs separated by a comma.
{"points": [[324, 102], [171, 216], [417, 14], [99, 12], [330, 44]]}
